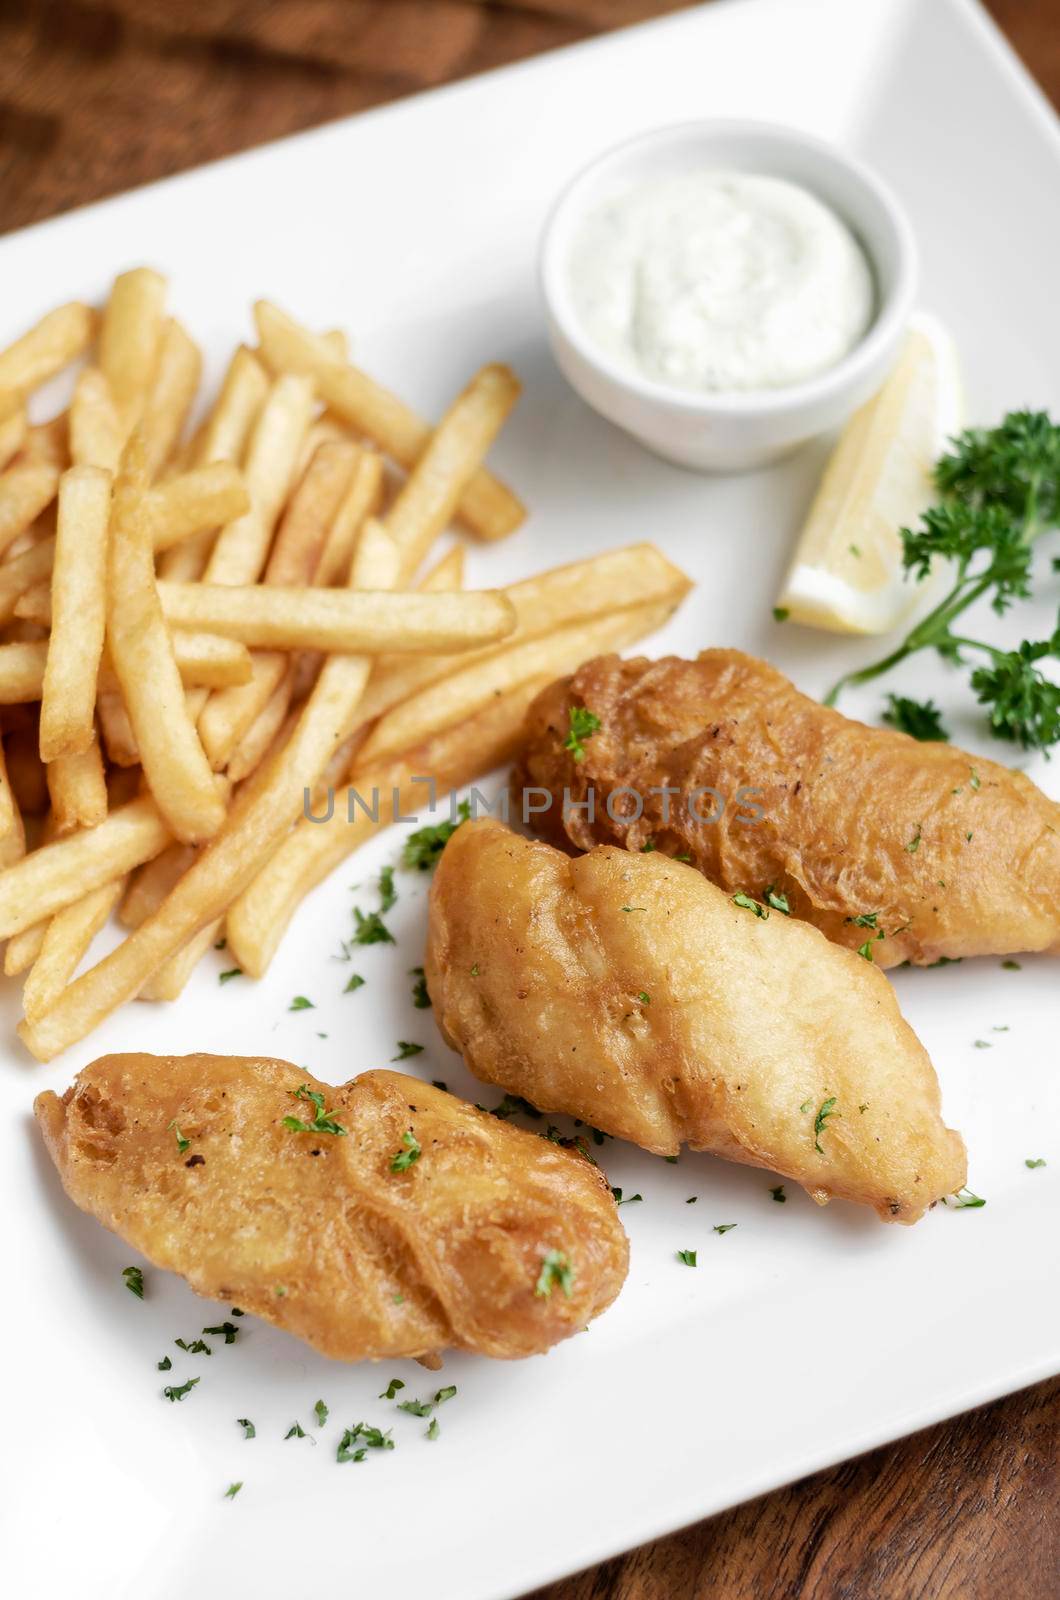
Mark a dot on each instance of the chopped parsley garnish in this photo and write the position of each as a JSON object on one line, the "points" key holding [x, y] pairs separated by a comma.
{"points": [[781, 613], [778, 1194], [865, 950], [625, 1199], [687, 1257], [724, 1227], [391, 1389], [433, 1429], [1011, 966], [448, 1393], [369, 928], [921, 719], [474, 970], [867, 919], [295, 1431], [232, 1490], [409, 1153], [134, 1280], [691, 1200], [374, 1439], [226, 977], [226, 1329], [779, 902], [179, 1392], [974, 781], [165, 1364], [745, 902], [965, 1200], [420, 998], [405, 1049], [647, 847], [982, 1044], [321, 1411], [416, 1408], [321, 1122], [387, 892], [1038, 1161], [301, 1003], [513, 1103], [827, 1109], [249, 1430], [555, 1269], [197, 1347], [355, 982], [644, 997], [583, 724], [421, 849], [182, 1143], [634, 908], [913, 845]]}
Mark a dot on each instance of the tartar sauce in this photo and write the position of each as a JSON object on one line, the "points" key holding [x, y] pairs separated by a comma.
{"points": [[716, 280]]}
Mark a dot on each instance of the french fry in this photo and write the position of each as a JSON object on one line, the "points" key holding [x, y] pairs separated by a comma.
{"points": [[13, 426], [66, 939], [224, 439], [22, 951], [169, 981], [119, 741], [261, 734], [258, 918], [487, 506], [432, 491], [22, 672], [142, 655], [47, 443], [25, 489], [292, 560], [149, 886], [325, 429], [96, 432], [78, 613], [12, 831], [49, 346], [338, 619], [23, 573], [169, 399], [242, 545], [77, 789], [129, 338], [61, 872], [262, 814], [207, 661], [362, 500], [204, 497]]}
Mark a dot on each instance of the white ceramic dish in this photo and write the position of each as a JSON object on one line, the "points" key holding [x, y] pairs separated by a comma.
{"points": [[732, 432], [805, 1335]]}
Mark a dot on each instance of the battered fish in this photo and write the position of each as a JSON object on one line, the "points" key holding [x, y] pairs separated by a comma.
{"points": [[631, 992], [919, 850], [424, 1224]]}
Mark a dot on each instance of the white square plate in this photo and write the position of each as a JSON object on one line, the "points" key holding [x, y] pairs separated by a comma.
{"points": [[805, 1335]]}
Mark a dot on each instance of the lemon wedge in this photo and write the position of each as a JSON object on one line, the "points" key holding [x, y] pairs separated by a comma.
{"points": [[847, 574]]}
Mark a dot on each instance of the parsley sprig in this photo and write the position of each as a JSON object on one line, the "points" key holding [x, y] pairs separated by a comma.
{"points": [[999, 491], [321, 1123]]}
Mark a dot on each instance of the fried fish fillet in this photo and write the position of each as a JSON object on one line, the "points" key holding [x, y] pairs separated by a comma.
{"points": [[864, 830], [631, 992], [425, 1224]]}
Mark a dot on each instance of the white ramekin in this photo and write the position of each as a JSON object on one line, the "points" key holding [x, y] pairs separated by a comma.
{"points": [[731, 431]]}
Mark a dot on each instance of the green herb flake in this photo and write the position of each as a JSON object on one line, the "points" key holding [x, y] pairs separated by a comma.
{"points": [[410, 1152], [724, 1227], [165, 1364], [687, 1257], [746, 903], [295, 1431], [134, 1280], [448, 1393], [355, 982], [392, 1388], [1038, 1161], [827, 1109], [249, 1430], [369, 928], [866, 919], [982, 1044], [373, 1439], [778, 1194], [416, 1408], [921, 719], [321, 1123], [781, 613], [865, 950], [406, 1049], [626, 1199], [226, 977], [321, 1411], [387, 892], [226, 1330], [913, 845], [644, 998], [422, 849], [965, 1200], [583, 724], [420, 998], [556, 1269], [1011, 966], [433, 1430], [180, 1391], [232, 1490], [301, 1003], [778, 902], [182, 1143]]}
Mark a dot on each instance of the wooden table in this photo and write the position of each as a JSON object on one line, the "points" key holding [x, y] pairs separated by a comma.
{"points": [[99, 95]]}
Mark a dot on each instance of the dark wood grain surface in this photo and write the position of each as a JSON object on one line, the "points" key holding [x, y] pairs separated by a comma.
{"points": [[99, 95]]}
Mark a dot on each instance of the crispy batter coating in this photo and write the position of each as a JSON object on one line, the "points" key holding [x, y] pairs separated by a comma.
{"points": [[953, 855], [631, 992], [315, 1231]]}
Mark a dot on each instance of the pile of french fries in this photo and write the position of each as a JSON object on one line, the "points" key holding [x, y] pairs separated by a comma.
{"points": [[199, 626]]}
